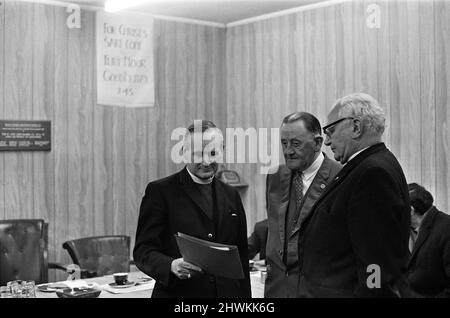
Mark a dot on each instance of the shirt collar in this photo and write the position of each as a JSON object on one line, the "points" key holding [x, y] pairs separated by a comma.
{"points": [[355, 154], [312, 169], [198, 180]]}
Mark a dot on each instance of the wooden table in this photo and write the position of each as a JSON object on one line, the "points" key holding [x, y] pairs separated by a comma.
{"points": [[136, 275]]}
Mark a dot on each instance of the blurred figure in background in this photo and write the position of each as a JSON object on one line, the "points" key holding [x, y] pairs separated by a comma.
{"points": [[258, 240], [429, 264]]}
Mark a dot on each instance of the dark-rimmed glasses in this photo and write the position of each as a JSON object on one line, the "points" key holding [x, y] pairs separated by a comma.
{"points": [[327, 131]]}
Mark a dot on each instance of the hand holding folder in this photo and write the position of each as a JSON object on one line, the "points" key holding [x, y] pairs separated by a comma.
{"points": [[213, 258]]}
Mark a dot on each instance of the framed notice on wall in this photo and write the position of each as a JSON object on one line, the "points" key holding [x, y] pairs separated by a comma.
{"points": [[25, 135], [124, 59]]}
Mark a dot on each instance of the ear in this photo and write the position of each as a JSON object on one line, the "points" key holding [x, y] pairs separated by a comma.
{"points": [[184, 150], [358, 128], [186, 154], [319, 142]]}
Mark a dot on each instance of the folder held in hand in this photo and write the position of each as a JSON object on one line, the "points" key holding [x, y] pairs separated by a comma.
{"points": [[213, 258]]}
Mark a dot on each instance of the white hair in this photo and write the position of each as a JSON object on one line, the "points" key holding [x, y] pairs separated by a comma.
{"points": [[365, 108]]}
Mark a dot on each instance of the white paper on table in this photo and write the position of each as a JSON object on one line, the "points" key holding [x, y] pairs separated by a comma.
{"points": [[142, 286], [75, 283]]}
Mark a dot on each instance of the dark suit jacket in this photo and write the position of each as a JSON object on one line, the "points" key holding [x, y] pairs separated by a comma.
{"points": [[278, 284], [429, 265], [258, 240], [362, 218], [174, 204]]}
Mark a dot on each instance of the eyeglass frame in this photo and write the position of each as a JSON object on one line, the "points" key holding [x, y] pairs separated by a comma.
{"points": [[324, 129]]}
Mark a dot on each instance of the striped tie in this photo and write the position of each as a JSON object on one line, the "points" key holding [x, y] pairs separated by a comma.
{"points": [[298, 184]]}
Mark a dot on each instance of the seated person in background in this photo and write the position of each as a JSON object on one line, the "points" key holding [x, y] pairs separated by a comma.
{"points": [[429, 264], [258, 240]]}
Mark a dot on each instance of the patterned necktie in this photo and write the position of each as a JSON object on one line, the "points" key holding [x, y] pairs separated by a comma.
{"points": [[298, 184]]}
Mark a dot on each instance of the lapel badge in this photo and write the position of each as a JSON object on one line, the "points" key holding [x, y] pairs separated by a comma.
{"points": [[322, 186]]}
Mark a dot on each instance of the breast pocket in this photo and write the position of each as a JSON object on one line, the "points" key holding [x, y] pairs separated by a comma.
{"points": [[230, 224], [232, 216]]}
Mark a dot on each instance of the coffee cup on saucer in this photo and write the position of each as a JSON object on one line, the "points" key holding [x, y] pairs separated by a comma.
{"points": [[120, 278]]}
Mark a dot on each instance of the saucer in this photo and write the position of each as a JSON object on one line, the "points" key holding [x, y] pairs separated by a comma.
{"points": [[50, 288], [127, 284]]}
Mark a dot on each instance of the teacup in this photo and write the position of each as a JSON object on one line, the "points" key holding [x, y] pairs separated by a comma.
{"points": [[120, 278]]}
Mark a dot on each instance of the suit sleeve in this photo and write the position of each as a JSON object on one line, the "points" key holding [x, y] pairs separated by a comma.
{"points": [[148, 250], [243, 249], [378, 222]]}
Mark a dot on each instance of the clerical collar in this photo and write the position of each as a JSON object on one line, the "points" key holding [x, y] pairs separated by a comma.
{"points": [[198, 180]]}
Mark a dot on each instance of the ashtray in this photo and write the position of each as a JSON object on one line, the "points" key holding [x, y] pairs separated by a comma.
{"points": [[78, 292], [52, 287]]}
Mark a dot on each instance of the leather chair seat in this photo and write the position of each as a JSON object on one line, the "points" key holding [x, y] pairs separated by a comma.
{"points": [[102, 255], [23, 251]]}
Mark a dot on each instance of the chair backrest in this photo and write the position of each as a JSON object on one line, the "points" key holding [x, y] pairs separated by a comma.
{"points": [[101, 254], [23, 250]]}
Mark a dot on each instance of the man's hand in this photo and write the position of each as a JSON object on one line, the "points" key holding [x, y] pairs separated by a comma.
{"points": [[184, 270]]}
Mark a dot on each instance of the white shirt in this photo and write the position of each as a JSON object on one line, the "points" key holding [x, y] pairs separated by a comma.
{"points": [[356, 153], [198, 180], [310, 172]]}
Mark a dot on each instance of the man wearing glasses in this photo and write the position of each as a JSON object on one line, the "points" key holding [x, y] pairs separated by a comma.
{"points": [[355, 244], [290, 194]]}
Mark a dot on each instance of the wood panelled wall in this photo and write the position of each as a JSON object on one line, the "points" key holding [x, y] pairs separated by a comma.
{"points": [[305, 61], [102, 157]]}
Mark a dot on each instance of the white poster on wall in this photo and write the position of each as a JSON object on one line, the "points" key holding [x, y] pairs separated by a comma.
{"points": [[125, 60]]}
